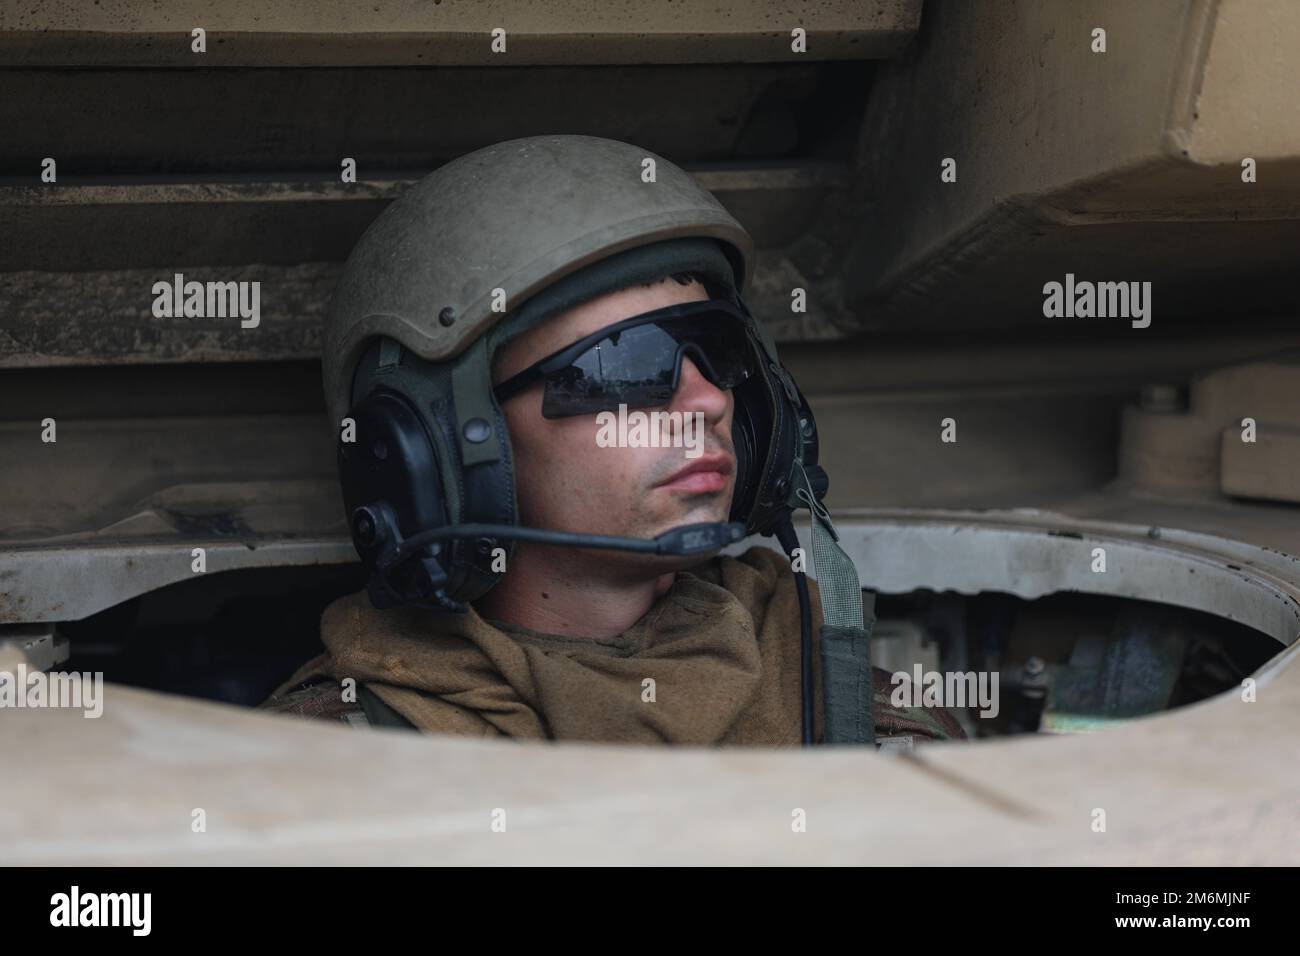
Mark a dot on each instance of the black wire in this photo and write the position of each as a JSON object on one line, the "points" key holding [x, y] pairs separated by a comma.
{"points": [[805, 655], [687, 540], [789, 541]]}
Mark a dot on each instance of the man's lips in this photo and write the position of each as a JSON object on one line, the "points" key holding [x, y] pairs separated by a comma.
{"points": [[707, 473]]}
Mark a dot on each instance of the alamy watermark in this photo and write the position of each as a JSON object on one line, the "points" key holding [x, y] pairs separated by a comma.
{"points": [[35, 688], [199, 300], [638, 429], [951, 689], [1084, 300], [75, 908]]}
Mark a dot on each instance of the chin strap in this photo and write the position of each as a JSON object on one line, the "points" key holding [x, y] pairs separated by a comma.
{"points": [[845, 633]]}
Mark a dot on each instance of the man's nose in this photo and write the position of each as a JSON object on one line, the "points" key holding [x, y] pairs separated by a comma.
{"points": [[695, 393]]}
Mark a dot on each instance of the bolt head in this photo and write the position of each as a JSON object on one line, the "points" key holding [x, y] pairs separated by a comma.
{"points": [[363, 524]]}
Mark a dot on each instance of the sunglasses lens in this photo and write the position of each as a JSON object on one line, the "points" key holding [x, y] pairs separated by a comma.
{"points": [[638, 366]]}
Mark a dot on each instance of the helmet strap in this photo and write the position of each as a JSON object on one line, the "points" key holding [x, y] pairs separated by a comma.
{"points": [[471, 390], [847, 682]]}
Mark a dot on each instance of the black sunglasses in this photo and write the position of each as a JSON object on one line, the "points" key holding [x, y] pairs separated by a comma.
{"points": [[638, 362]]}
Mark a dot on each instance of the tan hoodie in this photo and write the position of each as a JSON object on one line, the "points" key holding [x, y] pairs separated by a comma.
{"points": [[714, 661]]}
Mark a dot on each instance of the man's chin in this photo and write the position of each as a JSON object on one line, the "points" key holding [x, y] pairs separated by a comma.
{"points": [[707, 515], [633, 565], [711, 506]]}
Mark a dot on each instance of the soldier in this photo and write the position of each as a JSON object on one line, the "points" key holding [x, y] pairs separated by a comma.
{"points": [[486, 328]]}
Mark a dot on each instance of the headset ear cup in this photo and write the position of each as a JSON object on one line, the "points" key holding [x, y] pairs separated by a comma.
{"points": [[744, 442], [391, 490], [771, 429], [404, 406], [751, 433]]}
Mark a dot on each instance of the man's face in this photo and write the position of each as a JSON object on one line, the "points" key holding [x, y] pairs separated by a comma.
{"points": [[567, 482]]}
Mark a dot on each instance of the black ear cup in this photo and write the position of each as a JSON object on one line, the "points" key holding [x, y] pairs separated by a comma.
{"points": [[395, 484], [770, 431], [391, 490], [751, 430]]}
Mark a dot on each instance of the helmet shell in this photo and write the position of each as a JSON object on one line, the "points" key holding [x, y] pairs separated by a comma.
{"points": [[515, 216]]}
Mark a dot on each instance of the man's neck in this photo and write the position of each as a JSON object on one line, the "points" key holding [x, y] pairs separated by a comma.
{"points": [[557, 592]]}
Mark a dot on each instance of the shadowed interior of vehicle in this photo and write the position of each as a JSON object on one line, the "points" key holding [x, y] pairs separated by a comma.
{"points": [[1066, 662]]}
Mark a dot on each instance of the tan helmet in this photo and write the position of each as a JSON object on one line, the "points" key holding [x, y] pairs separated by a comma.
{"points": [[495, 227]]}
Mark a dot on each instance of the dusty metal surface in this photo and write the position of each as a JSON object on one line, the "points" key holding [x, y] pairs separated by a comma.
{"points": [[274, 124], [1236, 437], [277, 790], [1032, 553], [70, 583], [101, 473], [1125, 164], [39, 646], [405, 32], [290, 237]]}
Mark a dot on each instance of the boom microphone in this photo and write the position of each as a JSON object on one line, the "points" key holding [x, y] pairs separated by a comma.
{"points": [[684, 541], [409, 570]]}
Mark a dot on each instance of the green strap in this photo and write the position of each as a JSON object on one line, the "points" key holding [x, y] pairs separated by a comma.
{"points": [[845, 635], [846, 685], [471, 389], [837, 577]]}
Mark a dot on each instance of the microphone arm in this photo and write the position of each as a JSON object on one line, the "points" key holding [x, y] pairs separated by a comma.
{"points": [[686, 540]]}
